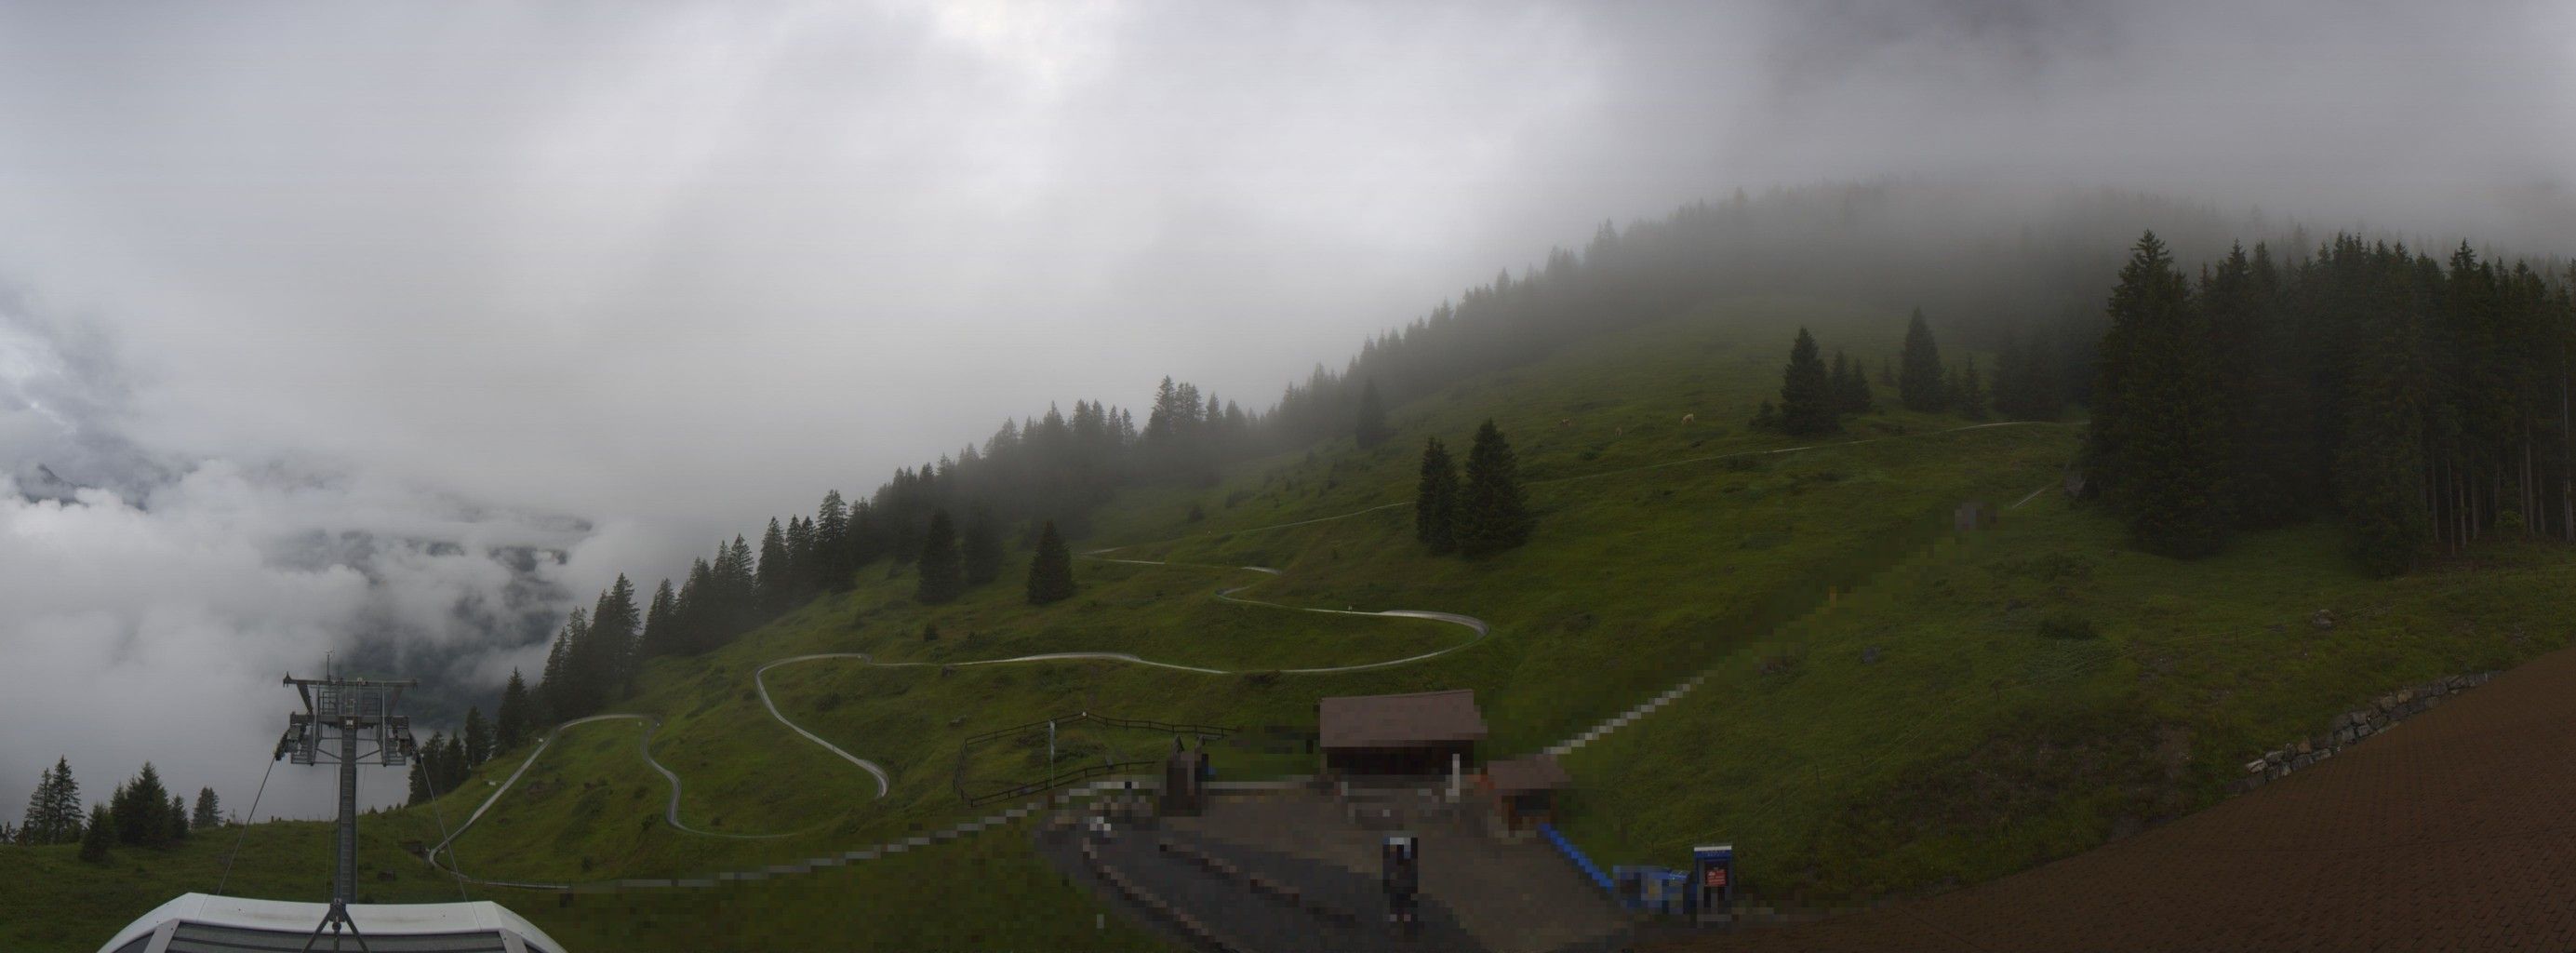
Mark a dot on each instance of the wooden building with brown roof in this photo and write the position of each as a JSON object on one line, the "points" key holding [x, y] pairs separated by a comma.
{"points": [[1420, 734]]}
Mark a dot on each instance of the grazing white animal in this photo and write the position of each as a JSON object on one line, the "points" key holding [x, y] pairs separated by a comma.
{"points": [[1565, 422], [1690, 418]]}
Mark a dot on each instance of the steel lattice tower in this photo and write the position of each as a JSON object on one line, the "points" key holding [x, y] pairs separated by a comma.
{"points": [[339, 713]]}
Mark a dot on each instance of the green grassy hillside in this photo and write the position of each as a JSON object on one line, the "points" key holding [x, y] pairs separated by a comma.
{"points": [[1966, 747]]}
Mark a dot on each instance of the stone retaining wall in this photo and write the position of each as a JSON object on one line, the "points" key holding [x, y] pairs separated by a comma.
{"points": [[2351, 727]]}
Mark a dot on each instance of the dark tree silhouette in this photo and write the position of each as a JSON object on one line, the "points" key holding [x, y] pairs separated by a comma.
{"points": [[1371, 429], [1492, 514], [1051, 570], [1435, 501], [1920, 385], [942, 577], [1807, 400]]}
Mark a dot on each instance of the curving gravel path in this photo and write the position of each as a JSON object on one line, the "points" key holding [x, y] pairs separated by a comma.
{"points": [[643, 745], [884, 781]]}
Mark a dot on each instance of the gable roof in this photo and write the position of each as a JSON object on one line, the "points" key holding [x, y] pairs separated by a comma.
{"points": [[1527, 775], [1399, 721]]}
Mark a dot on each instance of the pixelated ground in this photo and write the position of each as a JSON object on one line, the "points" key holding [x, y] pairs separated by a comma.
{"points": [[2451, 831], [1479, 894]]}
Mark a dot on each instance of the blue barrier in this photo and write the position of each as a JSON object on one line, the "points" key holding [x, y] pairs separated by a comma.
{"points": [[1653, 889], [1581, 862]]}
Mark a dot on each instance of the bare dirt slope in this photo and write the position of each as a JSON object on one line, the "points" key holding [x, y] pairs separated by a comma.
{"points": [[2455, 830]]}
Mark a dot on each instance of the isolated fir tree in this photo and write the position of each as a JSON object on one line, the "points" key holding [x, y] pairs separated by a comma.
{"points": [[1851, 387], [142, 810], [1493, 515], [1919, 384], [942, 576], [1806, 391], [1370, 430], [2161, 436], [1767, 418], [177, 819], [510, 721], [209, 814], [1435, 500], [1051, 570], [100, 835], [980, 561], [478, 738]]}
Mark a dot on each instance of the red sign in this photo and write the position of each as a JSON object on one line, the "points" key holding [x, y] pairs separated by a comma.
{"points": [[1717, 877]]}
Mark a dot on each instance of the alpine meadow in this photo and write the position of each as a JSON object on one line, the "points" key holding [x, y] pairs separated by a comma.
{"points": [[1946, 476]]}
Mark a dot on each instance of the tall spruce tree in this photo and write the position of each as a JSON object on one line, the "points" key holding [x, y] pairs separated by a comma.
{"points": [[1851, 387], [661, 620], [2161, 437], [980, 561], [800, 560], [554, 684], [419, 780], [210, 813], [1435, 500], [832, 550], [1969, 397], [2380, 468], [1919, 385], [177, 820], [142, 810], [54, 810], [1493, 515], [478, 738], [99, 836], [510, 721], [772, 579], [738, 602], [607, 657], [1370, 429], [942, 575], [1807, 399], [1051, 570]]}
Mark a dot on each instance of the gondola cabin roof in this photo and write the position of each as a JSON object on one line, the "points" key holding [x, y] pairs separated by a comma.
{"points": [[204, 923]]}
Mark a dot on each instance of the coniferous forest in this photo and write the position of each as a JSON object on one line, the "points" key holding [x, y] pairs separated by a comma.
{"points": [[2421, 402]]}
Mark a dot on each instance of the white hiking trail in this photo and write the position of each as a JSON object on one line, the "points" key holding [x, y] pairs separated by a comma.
{"points": [[884, 781]]}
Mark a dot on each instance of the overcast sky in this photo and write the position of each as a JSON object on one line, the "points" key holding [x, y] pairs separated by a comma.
{"points": [[625, 277]]}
